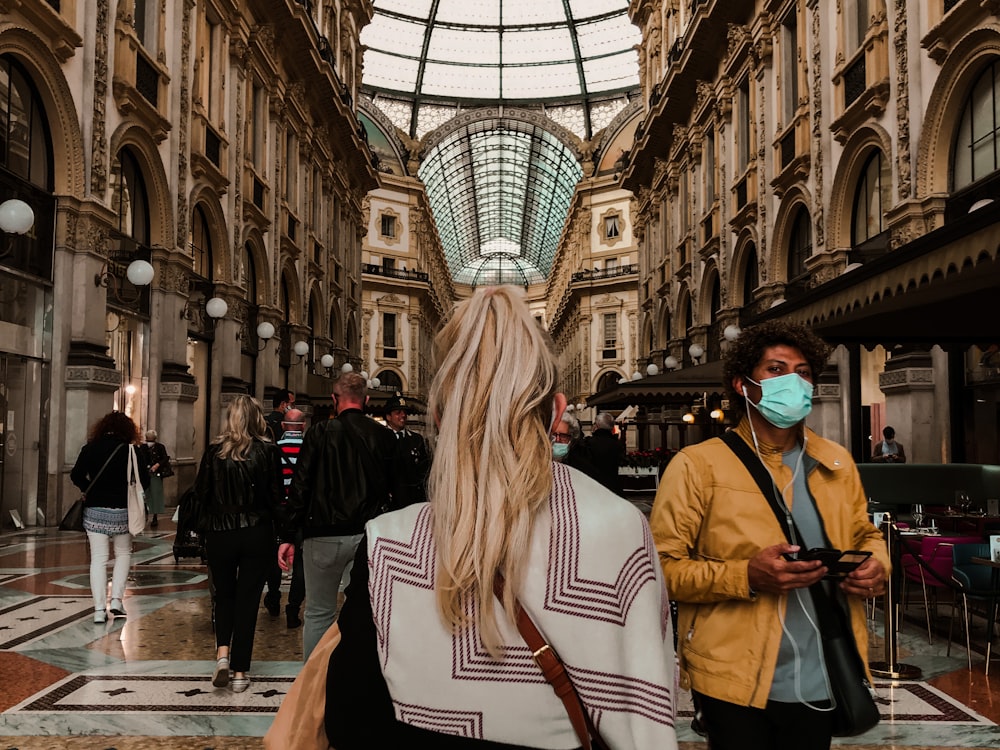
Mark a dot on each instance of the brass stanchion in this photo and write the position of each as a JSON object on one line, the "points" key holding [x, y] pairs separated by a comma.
{"points": [[890, 668]]}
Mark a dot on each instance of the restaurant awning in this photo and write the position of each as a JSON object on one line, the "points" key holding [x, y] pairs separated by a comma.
{"points": [[676, 387]]}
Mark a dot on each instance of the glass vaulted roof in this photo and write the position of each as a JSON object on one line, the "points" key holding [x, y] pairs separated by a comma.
{"points": [[500, 188]]}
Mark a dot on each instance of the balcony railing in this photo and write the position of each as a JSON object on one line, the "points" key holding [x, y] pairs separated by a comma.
{"points": [[854, 81], [394, 273], [606, 273], [147, 79]]}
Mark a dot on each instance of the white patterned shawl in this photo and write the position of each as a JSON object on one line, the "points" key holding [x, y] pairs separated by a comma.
{"points": [[594, 589]]}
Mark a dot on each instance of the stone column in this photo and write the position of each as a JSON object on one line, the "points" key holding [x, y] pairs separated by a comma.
{"points": [[909, 384]]}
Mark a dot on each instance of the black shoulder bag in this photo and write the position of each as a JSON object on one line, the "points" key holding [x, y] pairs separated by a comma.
{"points": [[854, 710]]}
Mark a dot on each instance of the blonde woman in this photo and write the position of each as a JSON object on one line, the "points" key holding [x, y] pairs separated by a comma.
{"points": [[237, 498], [429, 656]]}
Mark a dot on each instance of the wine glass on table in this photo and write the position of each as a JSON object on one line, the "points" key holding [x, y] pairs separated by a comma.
{"points": [[918, 515], [964, 502]]}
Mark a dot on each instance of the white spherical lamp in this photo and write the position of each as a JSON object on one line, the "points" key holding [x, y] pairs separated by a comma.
{"points": [[347, 367], [696, 351], [301, 348], [636, 375], [375, 382], [139, 272], [670, 362], [581, 406], [622, 381], [326, 360], [265, 330], [216, 308], [652, 369], [16, 216], [731, 333], [364, 374]]}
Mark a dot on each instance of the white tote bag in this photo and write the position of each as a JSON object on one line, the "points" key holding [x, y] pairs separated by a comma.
{"points": [[136, 497]]}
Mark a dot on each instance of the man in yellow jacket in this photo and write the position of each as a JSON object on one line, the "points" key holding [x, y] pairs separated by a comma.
{"points": [[749, 644]]}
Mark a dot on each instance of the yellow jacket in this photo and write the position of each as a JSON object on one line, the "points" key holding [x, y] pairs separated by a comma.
{"points": [[709, 518]]}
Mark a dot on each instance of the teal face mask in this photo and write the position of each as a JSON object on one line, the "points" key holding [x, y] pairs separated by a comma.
{"points": [[560, 451], [785, 400]]}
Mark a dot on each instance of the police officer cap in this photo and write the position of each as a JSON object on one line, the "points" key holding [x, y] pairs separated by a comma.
{"points": [[396, 402]]}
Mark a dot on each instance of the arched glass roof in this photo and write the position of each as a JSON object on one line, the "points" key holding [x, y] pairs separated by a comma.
{"points": [[444, 52], [499, 186], [500, 190]]}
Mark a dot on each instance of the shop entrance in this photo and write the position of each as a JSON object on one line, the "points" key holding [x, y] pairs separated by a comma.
{"points": [[20, 439]]}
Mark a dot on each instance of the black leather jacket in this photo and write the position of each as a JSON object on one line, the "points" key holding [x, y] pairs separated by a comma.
{"points": [[342, 477], [231, 495], [111, 488]]}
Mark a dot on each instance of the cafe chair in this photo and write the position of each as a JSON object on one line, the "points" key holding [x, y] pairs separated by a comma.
{"points": [[972, 581], [931, 567]]}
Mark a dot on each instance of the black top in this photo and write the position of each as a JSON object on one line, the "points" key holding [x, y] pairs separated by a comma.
{"points": [[111, 488]]}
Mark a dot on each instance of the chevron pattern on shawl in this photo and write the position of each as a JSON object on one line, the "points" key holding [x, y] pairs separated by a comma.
{"points": [[461, 723], [570, 593]]}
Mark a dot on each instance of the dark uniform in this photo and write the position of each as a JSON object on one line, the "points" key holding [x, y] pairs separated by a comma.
{"points": [[412, 461]]}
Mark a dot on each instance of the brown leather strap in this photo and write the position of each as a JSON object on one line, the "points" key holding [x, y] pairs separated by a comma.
{"points": [[555, 674]]}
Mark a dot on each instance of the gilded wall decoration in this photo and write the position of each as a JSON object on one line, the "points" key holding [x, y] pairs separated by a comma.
{"points": [[98, 124], [183, 126], [818, 127], [902, 101]]}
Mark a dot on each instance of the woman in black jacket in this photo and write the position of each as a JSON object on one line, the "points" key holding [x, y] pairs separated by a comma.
{"points": [[100, 471], [237, 496]]}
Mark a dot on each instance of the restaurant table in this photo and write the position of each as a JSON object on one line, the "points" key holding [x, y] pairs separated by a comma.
{"points": [[977, 523], [992, 614]]}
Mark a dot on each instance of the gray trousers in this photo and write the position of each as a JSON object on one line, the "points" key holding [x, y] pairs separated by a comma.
{"points": [[325, 561]]}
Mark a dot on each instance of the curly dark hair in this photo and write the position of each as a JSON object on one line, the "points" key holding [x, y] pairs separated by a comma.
{"points": [[744, 353], [116, 424]]}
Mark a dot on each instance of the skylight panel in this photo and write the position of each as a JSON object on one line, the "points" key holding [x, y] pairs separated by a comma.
{"points": [[417, 8], [533, 11], [475, 12], [611, 73], [541, 81], [461, 81], [390, 72], [590, 8], [523, 46], [394, 35], [464, 46], [606, 35]]}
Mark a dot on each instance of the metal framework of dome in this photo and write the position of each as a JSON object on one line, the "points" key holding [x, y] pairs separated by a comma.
{"points": [[500, 188]]}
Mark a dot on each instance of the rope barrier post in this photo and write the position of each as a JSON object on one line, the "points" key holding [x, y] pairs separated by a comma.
{"points": [[890, 668]]}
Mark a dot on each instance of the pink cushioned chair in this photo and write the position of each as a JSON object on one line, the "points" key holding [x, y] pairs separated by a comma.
{"points": [[932, 568]]}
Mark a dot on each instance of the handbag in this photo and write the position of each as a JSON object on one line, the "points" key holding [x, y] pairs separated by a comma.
{"points": [[136, 497], [73, 520], [300, 721], [854, 709], [555, 674]]}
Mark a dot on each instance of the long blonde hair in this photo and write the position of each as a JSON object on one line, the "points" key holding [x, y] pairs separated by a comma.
{"points": [[243, 422], [492, 399]]}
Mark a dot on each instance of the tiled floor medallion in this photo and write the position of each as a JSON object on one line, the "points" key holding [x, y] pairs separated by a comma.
{"points": [[33, 618], [137, 581], [157, 694]]}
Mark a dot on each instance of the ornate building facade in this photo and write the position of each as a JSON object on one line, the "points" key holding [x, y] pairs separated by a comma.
{"points": [[215, 141], [835, 164]]}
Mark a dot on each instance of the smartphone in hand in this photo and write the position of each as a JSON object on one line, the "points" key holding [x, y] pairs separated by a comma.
{"points": [[838, 563]]}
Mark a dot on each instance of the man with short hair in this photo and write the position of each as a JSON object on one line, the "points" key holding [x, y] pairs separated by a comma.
{"points": [[605, 453], [290, 444], [888, 450], [412, 460], [281, 401], [751, 645], [341, 481]]}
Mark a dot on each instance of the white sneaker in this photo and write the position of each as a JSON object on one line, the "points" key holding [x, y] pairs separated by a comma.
{"points": [[100, 616]]}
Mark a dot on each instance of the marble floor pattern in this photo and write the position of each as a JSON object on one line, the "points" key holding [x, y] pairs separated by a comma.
{"points": [[144, 681]]}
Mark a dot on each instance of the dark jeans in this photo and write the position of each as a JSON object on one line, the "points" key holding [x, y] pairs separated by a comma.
{"points": [[778, 726], [297, 588], [239, 561]]}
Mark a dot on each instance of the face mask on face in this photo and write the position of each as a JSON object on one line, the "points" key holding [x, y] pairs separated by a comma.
{"points": [[785, 400], [560, 451]]}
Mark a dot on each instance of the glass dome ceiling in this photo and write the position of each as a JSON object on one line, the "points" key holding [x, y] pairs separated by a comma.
{"points": [[498, 51], [500, 187]]}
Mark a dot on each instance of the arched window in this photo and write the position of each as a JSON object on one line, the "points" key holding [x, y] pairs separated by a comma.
{"points": [[867, 218], [608, 380], [800, 244], [201, 245], [25, 143], [976, 141], [751, 275], [390, 379], [130, 199]]}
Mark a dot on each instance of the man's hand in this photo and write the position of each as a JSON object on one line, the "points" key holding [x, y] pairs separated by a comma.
{"points": [[286, 556], [867, 580], [770, 571]]}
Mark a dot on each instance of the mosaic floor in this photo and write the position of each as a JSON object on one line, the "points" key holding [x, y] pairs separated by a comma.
{"points": [[131, 684]]}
